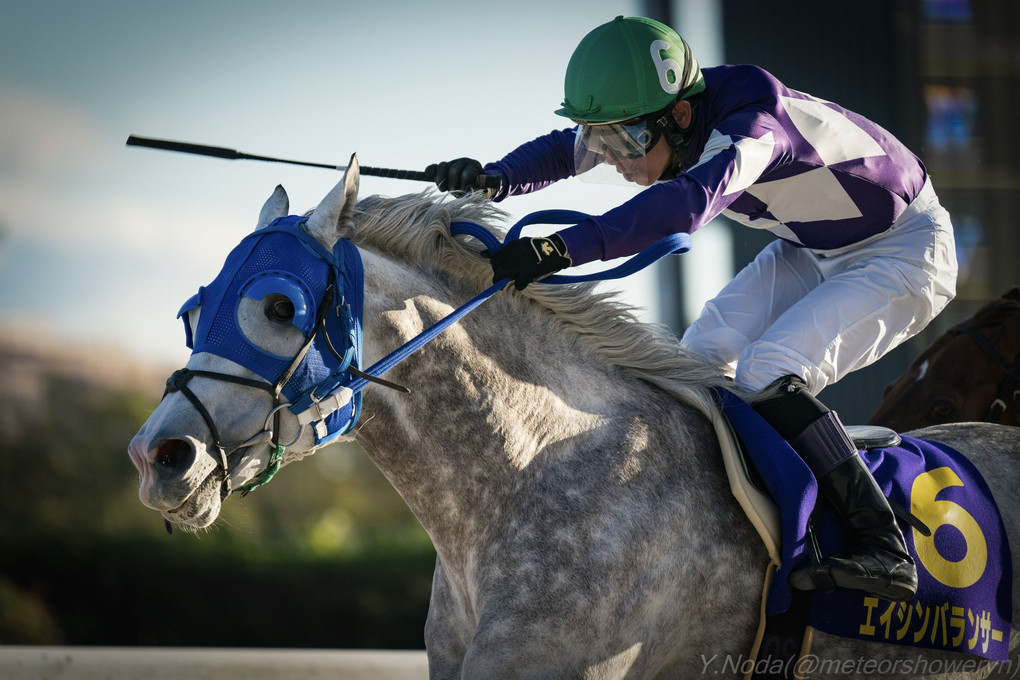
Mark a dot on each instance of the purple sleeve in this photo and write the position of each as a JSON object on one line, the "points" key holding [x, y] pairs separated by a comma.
{"points": [[680, 205], [535, 165], [627, 229]]}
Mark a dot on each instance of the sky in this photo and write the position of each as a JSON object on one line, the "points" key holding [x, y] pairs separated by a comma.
{"points": [[101, 243]]}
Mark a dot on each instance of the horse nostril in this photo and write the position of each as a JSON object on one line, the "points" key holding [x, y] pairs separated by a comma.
{"points": [[174, 453]]}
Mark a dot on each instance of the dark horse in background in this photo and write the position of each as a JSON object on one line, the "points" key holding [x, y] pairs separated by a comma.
{"points": [[971, 373]]}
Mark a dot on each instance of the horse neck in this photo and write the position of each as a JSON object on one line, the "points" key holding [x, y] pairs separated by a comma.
{"points": [[1005, 338], [492, 398]]}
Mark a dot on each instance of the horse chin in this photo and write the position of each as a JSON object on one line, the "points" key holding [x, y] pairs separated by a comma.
{"points": [[202, 507]]}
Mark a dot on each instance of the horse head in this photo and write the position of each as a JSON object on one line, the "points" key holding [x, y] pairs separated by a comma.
{"points": [[276, 330], [968, 374]]}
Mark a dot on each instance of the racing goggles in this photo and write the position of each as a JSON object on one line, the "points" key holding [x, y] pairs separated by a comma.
{"points": [[628, 140]]}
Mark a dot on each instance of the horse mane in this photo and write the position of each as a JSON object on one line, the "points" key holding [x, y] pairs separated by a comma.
{"points": [[416, 228]]}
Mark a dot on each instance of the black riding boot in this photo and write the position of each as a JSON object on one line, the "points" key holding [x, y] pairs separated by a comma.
{"points": [[876, 560]]}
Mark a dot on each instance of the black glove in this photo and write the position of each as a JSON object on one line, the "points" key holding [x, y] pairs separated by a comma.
{"points": [[456, 175], [528, 259]]}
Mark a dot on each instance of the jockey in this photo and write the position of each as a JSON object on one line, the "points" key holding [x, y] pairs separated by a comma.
{"points": [[864, 258]]}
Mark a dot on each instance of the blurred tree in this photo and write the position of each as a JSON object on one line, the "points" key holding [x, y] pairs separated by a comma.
{"points": [[24, 619], [328, 545], [65, 423]]}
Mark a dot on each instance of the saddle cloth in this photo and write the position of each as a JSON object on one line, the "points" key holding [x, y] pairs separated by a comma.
{"points": [[964, 600]]}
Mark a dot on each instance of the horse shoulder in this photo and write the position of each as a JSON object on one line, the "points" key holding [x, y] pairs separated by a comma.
{"points": [[617, 549]]}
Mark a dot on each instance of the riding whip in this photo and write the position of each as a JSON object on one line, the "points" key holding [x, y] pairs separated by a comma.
{"points": [[487, 182]]}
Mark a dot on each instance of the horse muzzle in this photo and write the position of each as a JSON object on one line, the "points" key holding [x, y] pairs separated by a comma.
{"points": [[178, 477]]}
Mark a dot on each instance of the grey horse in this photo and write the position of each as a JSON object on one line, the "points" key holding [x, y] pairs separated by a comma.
{"points": [[556, 451]]}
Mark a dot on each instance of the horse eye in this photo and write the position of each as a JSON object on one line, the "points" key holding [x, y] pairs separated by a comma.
{"points": [[943, 410], [279, 308]]}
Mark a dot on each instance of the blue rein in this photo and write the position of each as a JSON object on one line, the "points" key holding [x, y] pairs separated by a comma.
{"points": [[322, 384], [676, 243]]}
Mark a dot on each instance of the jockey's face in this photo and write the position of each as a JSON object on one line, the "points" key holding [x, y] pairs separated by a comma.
{"points": [[647, 169]]}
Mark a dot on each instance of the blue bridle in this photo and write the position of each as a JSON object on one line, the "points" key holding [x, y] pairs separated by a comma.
{"points": [[325, 290], [322, 384]]}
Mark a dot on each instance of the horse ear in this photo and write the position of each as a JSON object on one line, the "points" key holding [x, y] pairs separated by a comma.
{"points": [[278, 205], [336, 211]]}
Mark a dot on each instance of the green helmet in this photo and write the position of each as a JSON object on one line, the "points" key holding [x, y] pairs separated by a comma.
{"points": [[627, 68]]}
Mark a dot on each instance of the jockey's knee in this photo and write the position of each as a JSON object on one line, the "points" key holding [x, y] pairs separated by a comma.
{"points": [[763, 363]]}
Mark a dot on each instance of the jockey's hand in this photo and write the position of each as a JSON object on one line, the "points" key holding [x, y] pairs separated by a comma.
{"points": [[462, 175], [528, 259]]}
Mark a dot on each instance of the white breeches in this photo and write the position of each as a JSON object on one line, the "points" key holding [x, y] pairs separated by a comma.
{"points": [[822, 314]]}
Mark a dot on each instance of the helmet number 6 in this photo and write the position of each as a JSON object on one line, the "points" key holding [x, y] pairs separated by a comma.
{"points": [[663, 67]]}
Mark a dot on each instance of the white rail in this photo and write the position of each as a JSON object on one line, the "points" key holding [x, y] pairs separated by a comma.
{"points": [[181, 663]]}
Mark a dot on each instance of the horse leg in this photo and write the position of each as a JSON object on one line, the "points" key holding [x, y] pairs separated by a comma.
{"points": [[448, 631]]}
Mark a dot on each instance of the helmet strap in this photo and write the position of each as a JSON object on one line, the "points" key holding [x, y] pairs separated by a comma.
{"points": [[678, 138]]}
